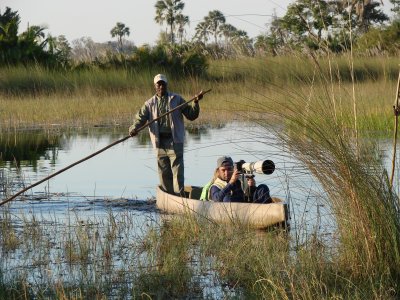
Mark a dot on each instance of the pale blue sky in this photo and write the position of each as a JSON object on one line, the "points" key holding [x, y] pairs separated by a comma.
{"points": [[95, 18]]}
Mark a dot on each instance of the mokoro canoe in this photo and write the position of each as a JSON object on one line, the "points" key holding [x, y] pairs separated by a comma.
{"points": [[254, 215]]}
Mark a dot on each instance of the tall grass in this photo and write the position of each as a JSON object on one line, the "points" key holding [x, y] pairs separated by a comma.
{"points": [[294, 70], [320, 131], [185, 258], [36, 97]]}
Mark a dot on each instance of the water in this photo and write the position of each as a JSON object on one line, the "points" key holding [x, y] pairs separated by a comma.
{"points": [[128, 170], [125, 176], [118, 186]]}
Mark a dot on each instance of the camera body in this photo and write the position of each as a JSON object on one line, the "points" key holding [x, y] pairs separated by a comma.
{"points": [[260, 167]]}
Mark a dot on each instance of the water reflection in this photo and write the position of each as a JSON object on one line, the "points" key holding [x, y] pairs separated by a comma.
{"points": [[27, 148], [129, 171], [27, 157]]}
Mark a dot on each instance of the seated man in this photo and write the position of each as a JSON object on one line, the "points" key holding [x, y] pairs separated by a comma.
{"points": [[228, 188]]}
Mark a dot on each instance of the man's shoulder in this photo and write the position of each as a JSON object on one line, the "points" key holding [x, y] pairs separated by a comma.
{"points": [[172, 95], [151, 100], [213, 186], [220, 184]]}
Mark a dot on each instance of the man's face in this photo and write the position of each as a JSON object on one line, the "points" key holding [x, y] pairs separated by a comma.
{"points": [[225, 171], [161, 88]]}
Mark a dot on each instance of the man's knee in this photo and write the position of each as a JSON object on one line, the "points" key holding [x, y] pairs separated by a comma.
{"points": [[262, 195]]}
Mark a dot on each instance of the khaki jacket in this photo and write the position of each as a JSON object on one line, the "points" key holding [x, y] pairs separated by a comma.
{"points": [[149, 112]]}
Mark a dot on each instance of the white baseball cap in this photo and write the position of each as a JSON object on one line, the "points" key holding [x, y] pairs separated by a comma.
{"points": [[160, 77]]}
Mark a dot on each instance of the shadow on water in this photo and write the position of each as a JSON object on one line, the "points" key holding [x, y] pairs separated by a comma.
{"points": [[61, 202], [28, 156], [28, 147]]}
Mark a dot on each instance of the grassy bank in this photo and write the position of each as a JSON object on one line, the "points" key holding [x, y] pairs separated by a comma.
{"points": [[227, 100], [35, 97], [35, 80]]}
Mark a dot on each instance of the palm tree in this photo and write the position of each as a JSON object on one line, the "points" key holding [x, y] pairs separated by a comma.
{"points": [[34, 33], [120, 30], [181, 20], [202, 32], [167, 11], [214, 20], [9, 22], [227, 31]]}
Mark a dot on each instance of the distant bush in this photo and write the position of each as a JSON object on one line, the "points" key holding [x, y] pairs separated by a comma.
{"points": [[380, 41], [174, 60]]}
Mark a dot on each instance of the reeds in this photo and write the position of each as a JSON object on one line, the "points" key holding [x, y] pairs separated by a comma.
{"points": [[36, 97], [118, 256], [320, 132]]}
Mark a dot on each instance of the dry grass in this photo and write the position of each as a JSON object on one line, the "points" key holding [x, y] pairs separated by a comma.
{"points": [[226, 100], [38, 98]]}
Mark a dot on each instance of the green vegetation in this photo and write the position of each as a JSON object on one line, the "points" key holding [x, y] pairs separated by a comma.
{"points": [[329, 124], [30, 46], [35, 97], [189, 257], [120, 30], [328, 106]]}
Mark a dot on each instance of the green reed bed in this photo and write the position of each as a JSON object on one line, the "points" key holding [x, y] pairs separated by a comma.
{"points": [[324, 132], [226, 100], [178, 258], [36, 80], [250, 264], [299, 69], [35, 97], [105, 256], [292, 70], [78, 257]]}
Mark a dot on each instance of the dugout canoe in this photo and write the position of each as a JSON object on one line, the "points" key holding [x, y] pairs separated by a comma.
{"points": [[254, 215]]}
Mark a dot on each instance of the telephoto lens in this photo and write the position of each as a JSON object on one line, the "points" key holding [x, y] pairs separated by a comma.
{"points": [[260, 167]]}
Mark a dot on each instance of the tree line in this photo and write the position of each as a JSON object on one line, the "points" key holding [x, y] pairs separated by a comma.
{"points": [[321, 26]]}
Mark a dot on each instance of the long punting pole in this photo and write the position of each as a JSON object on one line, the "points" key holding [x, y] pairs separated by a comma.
{"points": [[101, 150]]}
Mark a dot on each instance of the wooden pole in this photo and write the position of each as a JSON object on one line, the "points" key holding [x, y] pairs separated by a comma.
{"points": [[103, 149], [396, 110]]}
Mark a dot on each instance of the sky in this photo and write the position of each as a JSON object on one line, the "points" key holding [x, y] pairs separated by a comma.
{"points": [[96, 18]]}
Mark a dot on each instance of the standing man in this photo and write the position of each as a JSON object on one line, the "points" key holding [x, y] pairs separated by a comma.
{"points": [[167, 134]]}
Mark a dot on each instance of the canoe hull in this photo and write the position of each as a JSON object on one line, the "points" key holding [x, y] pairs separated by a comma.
{"points": [[254, 215]]}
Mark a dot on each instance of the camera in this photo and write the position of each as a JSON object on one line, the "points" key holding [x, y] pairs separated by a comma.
{"points": [[259, 167]]}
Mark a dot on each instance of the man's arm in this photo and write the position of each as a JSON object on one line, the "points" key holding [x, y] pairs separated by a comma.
{"points": [[219, 195], [142, 116], [230, 193], [190, 111]]}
